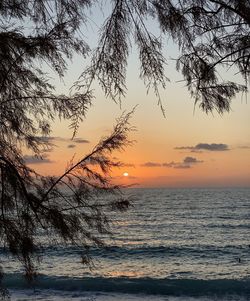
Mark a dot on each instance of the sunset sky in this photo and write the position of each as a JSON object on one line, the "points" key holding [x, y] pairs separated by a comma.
{"points": [[186, 149]]}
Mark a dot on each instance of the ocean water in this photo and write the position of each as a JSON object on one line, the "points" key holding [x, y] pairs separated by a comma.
{"points": [[174, 244]]}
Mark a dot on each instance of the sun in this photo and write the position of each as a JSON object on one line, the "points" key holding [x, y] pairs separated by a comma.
{"points": [[125, 174]]}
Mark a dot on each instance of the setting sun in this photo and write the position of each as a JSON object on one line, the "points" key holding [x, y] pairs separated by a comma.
{"points": [[125, 174]]}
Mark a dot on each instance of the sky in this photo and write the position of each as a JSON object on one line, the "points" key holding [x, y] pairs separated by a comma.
{"points": [[187, 148]]}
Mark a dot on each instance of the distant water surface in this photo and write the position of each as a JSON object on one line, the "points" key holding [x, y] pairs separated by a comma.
{"points": [[174, 244]]}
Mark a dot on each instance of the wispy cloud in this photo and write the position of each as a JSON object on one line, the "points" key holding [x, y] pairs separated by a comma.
{"points": [[37, 160], [71, 146], [205, 147], [182, 166], [151, 164], [169, 164], [80, 140], [53, 139], [50, 139], [244, 147]]}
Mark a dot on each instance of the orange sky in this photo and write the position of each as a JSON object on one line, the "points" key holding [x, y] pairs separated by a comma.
{"points": [[181, 150], [219, 146]]}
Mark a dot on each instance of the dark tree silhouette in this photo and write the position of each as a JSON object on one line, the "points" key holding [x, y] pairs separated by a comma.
{"points": [[211, 34], [71, 208]]}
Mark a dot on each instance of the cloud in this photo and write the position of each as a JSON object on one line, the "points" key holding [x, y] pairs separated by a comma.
{"points": [[52, 139], [212, 147], [80, 140], [205, 147], [36, 160], [71, 146], [170, 164], [196, 151], [185, 164], [191, 160], [178, 165], [49, 139], [244, 147], [151, 164], [184, 147], [182, 166]]}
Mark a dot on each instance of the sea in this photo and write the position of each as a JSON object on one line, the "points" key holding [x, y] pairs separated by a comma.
{"points": [[173, 244]]}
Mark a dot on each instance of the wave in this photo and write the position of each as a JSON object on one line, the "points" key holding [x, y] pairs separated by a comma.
{"points": [[169, 251], [116, 252], [228, 226], [170, 287]]}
